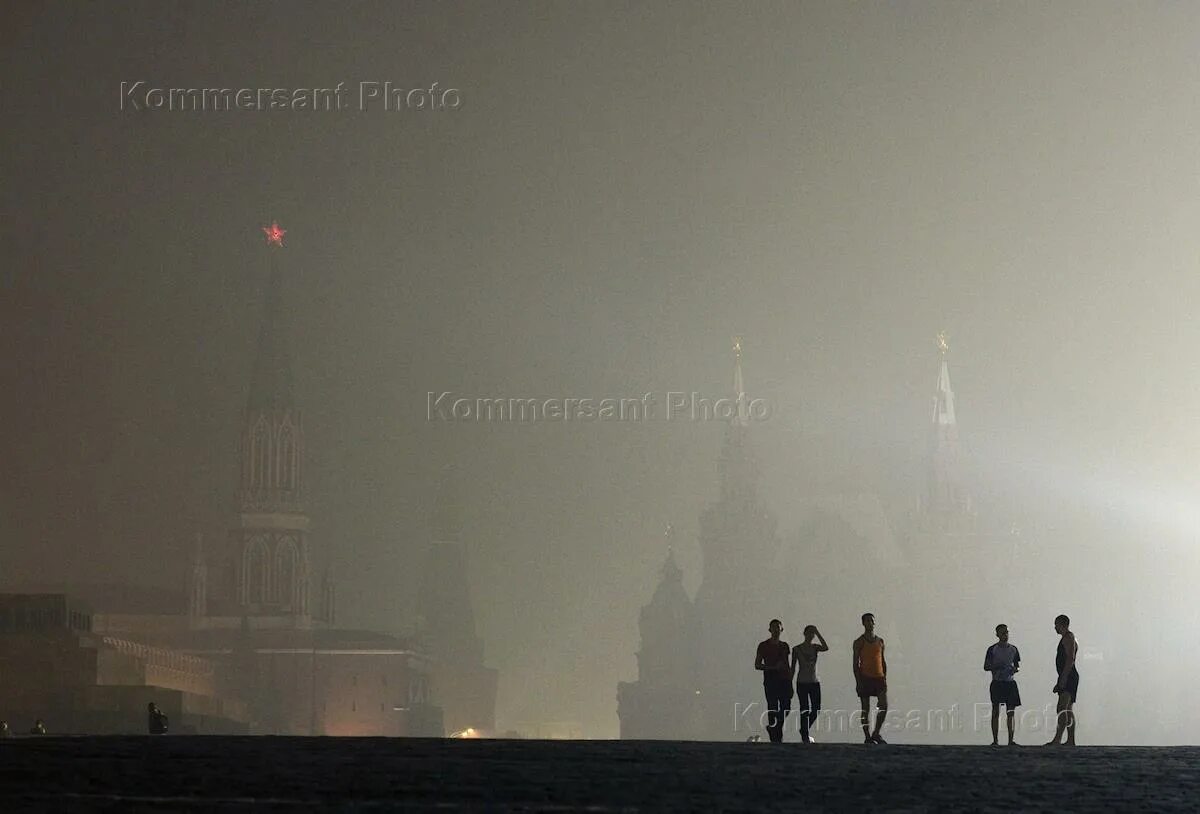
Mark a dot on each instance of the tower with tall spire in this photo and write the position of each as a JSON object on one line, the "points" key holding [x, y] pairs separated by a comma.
{"points": [[279, 662], [947, 505], [739, 545], [270, 567], [969, 559], [737, 533]]}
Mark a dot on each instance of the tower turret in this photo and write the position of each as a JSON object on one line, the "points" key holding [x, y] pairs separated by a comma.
{"points": [[664, 702], [271, 550], [667, 655]]}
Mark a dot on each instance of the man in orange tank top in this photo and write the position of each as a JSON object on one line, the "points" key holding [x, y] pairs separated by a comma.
{"points": [[870, 677]]}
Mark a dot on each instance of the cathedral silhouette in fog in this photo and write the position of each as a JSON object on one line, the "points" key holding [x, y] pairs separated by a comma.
{"points": [[938, 579], [690, 663]]}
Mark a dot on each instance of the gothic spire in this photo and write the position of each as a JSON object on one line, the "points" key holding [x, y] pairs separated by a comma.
{"points": [[670, 601], [742, 417], [948, 498], [271, 386], [736, 466], [943, 403], [670, 569], [271, 574]]}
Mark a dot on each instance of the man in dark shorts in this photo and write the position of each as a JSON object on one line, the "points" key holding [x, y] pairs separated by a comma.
{"points": [[1003, 661], [772, 659], [870, 677], [1067, 685]]}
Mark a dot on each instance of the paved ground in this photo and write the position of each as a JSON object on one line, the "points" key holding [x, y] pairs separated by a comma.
{"points": [[210, 773]]}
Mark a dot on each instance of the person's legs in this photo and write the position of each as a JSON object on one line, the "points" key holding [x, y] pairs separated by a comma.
{"points": [[778, 703], [866, 716], [1012, 700], [772, 717], [770, 712], [995, 724], [880, 714], [804, 708], [1064, 704], [808, 697], [785, 708], [1072, 695], [814, 694]]}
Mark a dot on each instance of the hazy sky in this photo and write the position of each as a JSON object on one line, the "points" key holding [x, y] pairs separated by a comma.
{"points": [[624, 186]]}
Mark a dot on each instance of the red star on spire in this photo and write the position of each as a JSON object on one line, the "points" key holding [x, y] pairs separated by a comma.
{"points": [[274, 234]]}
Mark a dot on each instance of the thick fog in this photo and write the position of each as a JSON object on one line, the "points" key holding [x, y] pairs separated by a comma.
{"points": [[613, 194]]}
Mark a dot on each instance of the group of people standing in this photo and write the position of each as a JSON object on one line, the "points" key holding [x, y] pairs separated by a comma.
{"points": [[781, 665]]}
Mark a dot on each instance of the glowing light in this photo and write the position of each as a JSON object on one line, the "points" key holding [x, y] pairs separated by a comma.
{"points": [[737, 346], [274, 234], [469, 732], [943, 341]]}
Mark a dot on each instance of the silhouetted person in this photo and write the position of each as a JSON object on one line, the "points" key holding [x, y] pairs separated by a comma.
{"points": [[39, 728], [156, 719], [1003, 661], [808, 686], [1066, 686], [5, 732], [870, 677], [772, 659]]}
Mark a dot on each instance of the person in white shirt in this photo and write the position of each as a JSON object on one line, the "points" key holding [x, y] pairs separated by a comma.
{"points": [[1003, 661]]}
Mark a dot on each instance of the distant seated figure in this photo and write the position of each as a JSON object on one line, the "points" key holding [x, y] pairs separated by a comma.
{"points": [[157, 719], [39, 728], [5, 732]]}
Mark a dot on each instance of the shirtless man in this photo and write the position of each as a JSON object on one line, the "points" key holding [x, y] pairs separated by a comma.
{"points": [[808, 686], [1067, 685], [870, 677]]}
